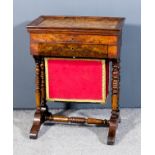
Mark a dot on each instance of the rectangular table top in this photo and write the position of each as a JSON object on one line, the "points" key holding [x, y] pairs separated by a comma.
{"points": [[77, 22]]}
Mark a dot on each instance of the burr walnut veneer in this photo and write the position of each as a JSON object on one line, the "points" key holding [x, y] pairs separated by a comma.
{"points": [[82, 42]]}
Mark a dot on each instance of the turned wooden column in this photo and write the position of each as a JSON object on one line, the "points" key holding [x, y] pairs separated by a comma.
{"points": [[115, 85], [81, 120], [115, 116], [38, 82], [42, 76]]}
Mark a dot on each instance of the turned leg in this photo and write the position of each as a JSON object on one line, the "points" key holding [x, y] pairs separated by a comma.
{"points": [[42, 76], [37, 116], [115, 117], [40, 93], [44, 107]]}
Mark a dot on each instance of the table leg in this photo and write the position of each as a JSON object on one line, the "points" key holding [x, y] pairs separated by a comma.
{"points": [[41, 108], [115, 117]]}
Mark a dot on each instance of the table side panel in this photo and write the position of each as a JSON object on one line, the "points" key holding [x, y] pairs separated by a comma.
{"points": [[72, 38], [69, 45]]}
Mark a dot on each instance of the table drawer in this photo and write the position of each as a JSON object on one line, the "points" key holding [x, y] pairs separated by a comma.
{"points": [[74, 38], [69, 50]]}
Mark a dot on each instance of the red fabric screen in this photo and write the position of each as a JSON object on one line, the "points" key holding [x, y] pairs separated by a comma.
{"points": [[77, 80]]}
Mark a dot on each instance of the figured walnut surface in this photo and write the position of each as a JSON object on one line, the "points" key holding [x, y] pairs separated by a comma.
{"points": [[77, 22], [76, 36], [69, 50], [70, 38]]}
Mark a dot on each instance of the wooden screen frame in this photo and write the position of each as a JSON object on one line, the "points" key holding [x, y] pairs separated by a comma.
{"points": [[102, 101]]}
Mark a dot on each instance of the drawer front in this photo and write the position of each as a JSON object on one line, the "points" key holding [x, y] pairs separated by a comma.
{"points": [[74, 38], [70, 50]]}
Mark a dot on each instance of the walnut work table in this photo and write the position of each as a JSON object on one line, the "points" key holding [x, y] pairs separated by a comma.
{"points": [[70, 54]]}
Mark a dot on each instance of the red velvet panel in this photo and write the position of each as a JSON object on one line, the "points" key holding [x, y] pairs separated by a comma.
{"points": [[75, 79]]}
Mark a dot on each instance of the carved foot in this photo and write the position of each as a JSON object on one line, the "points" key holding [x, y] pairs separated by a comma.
{"points": [[112, 132], [36, 125], [113, 124], [39, 119], [34, 131]]}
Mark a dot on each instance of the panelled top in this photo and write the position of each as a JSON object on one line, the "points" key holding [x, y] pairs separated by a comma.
{"points": [[77, 22]]}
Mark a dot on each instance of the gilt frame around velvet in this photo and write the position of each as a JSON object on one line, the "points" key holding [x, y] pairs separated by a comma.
{"points": [[104, 85]]}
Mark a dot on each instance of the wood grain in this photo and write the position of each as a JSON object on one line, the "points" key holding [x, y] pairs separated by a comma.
{"points": [[77, 22], [54, 38], [37, 80], [115, 84], [82, 120], [42, 76], [69, 50]]}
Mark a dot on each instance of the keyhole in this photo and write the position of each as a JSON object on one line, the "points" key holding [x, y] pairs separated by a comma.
{"points": [[72, 48]]}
